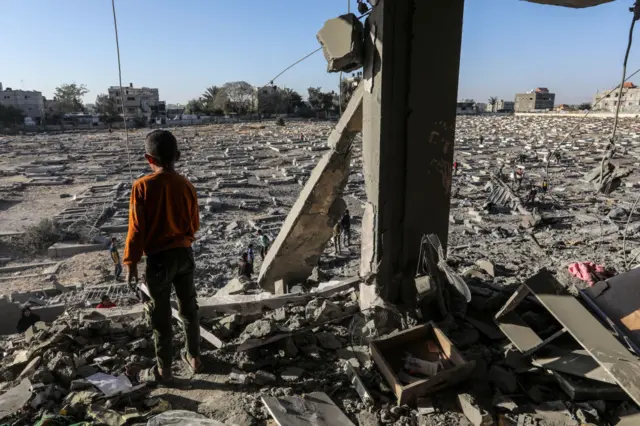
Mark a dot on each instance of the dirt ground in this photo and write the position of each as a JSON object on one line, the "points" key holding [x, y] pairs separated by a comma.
{"points": [[38, 202]]}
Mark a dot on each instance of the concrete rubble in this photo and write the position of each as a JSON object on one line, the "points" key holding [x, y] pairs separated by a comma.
{"points": [[282, 348]]}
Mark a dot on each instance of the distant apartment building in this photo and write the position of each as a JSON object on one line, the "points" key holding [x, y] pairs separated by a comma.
{"points": [[466, 107], [31, 102], [138, 101], [504, 106], [608, 102], [535, 100]]}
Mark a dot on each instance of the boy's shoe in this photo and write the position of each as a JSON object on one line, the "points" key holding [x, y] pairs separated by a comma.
{"points": [[152, 376]]}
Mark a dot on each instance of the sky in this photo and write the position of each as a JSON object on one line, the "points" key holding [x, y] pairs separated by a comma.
{"points": [[183, 47]]}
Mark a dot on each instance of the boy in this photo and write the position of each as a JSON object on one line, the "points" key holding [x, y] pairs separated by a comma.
{"points": [[245, 268], [105, 303], [250, 254], [163, 220], [264, 244], [113, 249], [345, 223], [337, 231]]}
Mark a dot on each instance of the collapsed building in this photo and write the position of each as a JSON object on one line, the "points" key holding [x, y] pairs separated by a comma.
{"points": [[418, 336]]}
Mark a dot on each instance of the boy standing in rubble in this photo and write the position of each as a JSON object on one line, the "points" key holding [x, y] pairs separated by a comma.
{"points": [[163, 220]]}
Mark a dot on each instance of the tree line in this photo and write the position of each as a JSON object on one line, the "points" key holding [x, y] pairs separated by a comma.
{"points": [[238, 97]]}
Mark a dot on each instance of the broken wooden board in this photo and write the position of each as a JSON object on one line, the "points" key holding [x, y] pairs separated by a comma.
{"points": [[205, 334], [256, 303], [314, 409], [588, 332], [357, 383], [576, 363]]}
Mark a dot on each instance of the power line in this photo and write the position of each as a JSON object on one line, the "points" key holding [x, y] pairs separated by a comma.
{"points": [[124, 111], [364, 15]]}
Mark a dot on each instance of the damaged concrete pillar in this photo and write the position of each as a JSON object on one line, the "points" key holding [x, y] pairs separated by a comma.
{"points": [[309, 225], [409, 110]]}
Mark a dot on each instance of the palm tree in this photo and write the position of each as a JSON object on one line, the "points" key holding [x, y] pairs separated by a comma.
{"points": [[493, 100], [209, 97]]}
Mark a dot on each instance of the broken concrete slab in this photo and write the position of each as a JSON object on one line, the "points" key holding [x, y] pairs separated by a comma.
{"points": [[70, 249], [14, 399], [341, 39], [309, 224], [476, 415], [314, 409]]}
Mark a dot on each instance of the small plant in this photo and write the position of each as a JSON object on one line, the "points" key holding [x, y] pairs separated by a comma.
{"points": [[39, 237]]}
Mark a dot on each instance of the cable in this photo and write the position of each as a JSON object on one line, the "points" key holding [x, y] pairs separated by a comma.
{"points": [[609, 152], [124, 111], [305, 57], [291, 66], [584, 117]]}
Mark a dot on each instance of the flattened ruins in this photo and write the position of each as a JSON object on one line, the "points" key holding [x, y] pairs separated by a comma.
{"points": [[307, 349]]}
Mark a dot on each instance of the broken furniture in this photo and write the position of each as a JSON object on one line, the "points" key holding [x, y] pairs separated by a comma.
{"points": [[617, 301], [426, 342], [604, 358]]}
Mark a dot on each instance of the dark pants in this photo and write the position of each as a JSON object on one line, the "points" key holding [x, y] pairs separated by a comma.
{"points": [[174, 266], [346, 235], [263, 252], [118, 271]]}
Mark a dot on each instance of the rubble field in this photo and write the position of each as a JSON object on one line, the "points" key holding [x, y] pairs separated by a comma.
{"points": [[313, 356]]}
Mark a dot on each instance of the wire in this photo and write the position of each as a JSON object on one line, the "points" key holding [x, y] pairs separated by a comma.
{"points": [[124, 111], [306, 57], [291, 66], [584, 117]]}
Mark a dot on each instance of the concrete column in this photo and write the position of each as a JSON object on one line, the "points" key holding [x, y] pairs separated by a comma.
{"points": [[412, 59]]}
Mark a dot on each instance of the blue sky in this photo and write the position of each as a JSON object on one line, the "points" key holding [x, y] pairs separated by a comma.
{"points": [[182, 47]]}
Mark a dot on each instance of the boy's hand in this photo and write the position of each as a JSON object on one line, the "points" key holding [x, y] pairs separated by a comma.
{"points": [[132, 273]]}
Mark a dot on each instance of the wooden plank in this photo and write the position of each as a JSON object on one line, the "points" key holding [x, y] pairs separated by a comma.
{"points": [[518, 296], [576, 363], [544, 343], [587, 330], [251, 304], [314, 409], [205, 334], [518, 332]]}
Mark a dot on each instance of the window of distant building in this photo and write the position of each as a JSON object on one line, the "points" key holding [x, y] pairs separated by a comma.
{"points": [[26, 97], [131, 98]]}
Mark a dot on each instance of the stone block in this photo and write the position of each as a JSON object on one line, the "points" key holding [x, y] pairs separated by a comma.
{"points": [[309, 224], [342, 43]]}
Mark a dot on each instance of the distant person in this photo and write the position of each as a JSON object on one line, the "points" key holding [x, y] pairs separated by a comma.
{"points": [[250, 254], [455, 167], [264, 244], [105, 303], [481, 139], [345, 224], [531, 196], [245, 268], [27, 319], [519, 175], [337, 231], [545, 186], [113, 250]]}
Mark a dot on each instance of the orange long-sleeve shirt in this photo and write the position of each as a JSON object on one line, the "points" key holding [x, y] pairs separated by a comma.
{"points": [[163, 214]]}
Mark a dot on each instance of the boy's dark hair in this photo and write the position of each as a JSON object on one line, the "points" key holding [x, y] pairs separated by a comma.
{"points": [[251, 245], [162, 145], [113, 239], [104, 297]]}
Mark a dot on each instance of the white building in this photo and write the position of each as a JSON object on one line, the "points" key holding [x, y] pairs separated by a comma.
{"points": [[504, 106], [138, 101], [31, 102], [630, 100]]}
